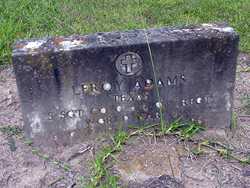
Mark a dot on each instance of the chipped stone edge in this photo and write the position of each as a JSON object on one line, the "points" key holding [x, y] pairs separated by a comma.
{"points": [[35, 46]]}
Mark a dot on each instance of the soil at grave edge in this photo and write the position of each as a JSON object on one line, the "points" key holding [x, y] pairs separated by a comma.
{"points": [[144, 162]]}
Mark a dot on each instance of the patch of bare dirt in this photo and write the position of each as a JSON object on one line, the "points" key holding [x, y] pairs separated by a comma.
{"points": [[143, 160], [10, 113]]}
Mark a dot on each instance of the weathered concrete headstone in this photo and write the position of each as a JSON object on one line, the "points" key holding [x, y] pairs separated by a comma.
{"points": [[72, 87]]}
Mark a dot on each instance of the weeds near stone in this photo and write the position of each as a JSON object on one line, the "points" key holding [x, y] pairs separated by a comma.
{"points": [[234, 121], [222, 150], [247, 69], [162, 121], [28, 142], [55, 181], [2, 79], [101, 176], [61, 164], [11, 130], [65, 166], [246, 104], [185, 130]]}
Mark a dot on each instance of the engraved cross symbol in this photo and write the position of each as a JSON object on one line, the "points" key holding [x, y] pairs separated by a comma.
{"points": [[128, 62]]}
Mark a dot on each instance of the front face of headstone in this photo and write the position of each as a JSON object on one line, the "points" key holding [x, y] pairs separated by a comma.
{"points": [[74, 87]]}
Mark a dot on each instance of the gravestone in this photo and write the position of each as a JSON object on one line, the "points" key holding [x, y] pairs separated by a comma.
{"points": [[77, 86]]}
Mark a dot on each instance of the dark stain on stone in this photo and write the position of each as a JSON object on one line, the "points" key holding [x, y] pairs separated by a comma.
{"points": [[56, 73]]}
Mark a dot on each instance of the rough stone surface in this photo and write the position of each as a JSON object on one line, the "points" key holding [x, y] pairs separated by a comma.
{"points": [[73, 87]]}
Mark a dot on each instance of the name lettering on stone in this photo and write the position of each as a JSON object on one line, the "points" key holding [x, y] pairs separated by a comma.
{"points": [[94, 89]]}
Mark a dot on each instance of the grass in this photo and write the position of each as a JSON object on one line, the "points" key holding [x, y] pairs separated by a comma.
{"points": [[11, 130], [234, 121], [29, 19], [101, 176], [246, 104], [222, 150]]}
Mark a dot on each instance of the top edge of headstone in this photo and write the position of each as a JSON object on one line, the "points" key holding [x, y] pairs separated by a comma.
{"points": [[119, 38]]}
